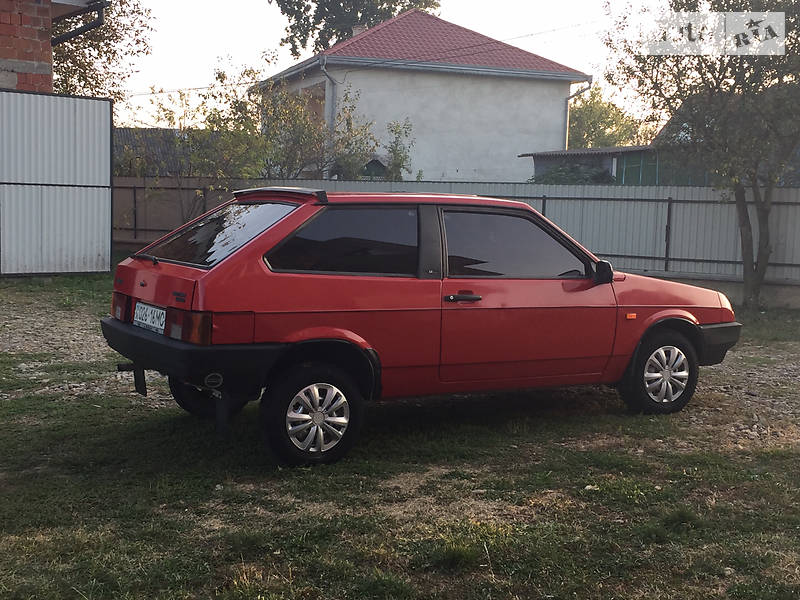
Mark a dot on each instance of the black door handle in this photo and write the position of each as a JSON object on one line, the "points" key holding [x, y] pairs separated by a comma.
{"points": [[462, 298]]}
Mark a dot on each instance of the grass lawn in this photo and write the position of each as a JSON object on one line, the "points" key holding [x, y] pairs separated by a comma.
{"points": [[544, 494]]}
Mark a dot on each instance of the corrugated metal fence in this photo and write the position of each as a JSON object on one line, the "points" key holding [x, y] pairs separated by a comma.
{"points": [[55, 183], [679, 231]]}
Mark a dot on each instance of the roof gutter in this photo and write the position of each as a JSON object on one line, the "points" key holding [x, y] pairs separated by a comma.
{"points": [[95, 7], [330, 100]]}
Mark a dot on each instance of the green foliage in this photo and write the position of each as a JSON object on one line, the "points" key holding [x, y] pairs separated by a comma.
{"points": [[295, 139], [326, 22], [574, 174], [597, 123], [217, 135], [399, 149], [238, 130], [351, 141], [99, 62]]}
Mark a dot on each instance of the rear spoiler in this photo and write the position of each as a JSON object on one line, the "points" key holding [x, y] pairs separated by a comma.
{"points": [[320, 195]]}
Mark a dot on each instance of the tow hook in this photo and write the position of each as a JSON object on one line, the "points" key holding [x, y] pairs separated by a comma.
{"points": [[138, 376]]}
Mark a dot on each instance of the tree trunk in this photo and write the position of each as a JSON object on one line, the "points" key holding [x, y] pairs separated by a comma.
{"points": [[763, 208], [750, 294]]}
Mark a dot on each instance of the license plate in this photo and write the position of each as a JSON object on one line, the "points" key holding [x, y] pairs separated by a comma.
{"points": [[149, 317]]}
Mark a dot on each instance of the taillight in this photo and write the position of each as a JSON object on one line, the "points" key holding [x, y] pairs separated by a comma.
{"points": [[186, 326], [121, 306]]}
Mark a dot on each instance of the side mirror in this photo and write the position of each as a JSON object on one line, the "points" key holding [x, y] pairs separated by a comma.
{"points": [[603, 273]]}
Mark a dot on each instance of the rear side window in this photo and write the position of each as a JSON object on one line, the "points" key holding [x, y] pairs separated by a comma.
{"points": [[220, 234], [362, 240], [501, 245]]}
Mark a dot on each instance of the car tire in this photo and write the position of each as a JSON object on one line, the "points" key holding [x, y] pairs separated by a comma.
{"points": [[312, 414], [200, 402], [663, 375]]}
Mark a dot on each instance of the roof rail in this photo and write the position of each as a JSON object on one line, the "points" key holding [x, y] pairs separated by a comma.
{"points": [[320, 195]]}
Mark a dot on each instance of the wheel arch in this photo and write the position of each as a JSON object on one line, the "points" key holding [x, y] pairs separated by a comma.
{"points": [[678, 324], [363, 364]]}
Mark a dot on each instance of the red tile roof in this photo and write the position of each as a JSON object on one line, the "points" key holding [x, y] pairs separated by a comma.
{"points": [[421, 37]]}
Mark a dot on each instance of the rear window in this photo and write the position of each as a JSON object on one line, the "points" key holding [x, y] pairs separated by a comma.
{"points": [[218, 235]]}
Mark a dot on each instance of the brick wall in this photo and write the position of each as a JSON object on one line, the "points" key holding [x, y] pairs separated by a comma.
{"points": [[26, 58]]}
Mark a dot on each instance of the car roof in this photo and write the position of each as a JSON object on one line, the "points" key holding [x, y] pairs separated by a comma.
{"points": [[323, 197]]}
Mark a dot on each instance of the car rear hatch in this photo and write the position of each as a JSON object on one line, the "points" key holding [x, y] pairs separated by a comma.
{"points": [[155, 288], [160, 283]]}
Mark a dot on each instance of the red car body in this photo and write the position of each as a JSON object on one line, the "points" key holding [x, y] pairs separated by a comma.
{"points": [[401, 335]]}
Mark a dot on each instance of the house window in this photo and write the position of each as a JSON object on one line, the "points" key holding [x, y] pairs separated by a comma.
{"points": [[632, 169]]}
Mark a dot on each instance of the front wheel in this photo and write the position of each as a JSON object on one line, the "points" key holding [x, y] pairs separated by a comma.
{"points": [[663, 376], [312, 415]]}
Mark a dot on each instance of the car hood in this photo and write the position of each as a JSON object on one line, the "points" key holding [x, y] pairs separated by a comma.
{"points": [[638, 290]]}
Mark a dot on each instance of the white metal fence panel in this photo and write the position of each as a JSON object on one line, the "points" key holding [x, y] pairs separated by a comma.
{"points": [[56, 140], [55, 183], [46, 222]]}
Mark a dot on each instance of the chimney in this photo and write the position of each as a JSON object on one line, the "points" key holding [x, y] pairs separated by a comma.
{"points": [[359, 29]]}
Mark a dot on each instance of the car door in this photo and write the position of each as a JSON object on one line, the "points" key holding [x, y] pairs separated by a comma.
{"points": [[519, 302], [366, 273]]}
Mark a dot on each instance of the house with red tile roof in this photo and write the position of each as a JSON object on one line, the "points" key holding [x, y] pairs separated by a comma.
{"points": [[475, 103]]}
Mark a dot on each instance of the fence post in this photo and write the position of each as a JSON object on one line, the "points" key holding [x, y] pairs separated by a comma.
{"points": [[668, 234], [135, 215], [544, 205]]}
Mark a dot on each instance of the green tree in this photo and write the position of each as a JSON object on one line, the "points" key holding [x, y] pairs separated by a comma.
{"points": [[326, 22], [399, 149], [238, 130], [297, 141], [736, 115], [99, 62], [351, 140], [597, 123], [218, 133]]}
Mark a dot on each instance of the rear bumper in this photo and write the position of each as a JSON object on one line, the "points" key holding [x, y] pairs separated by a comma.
{"points": [[717, 339], [243, 367]]}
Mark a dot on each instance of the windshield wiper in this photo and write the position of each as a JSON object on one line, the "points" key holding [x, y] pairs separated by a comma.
{"points": [[147, 256]]}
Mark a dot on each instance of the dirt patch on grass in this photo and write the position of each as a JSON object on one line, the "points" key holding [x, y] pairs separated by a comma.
{"points": [[431, 497], [750, 401], [73, 335]]}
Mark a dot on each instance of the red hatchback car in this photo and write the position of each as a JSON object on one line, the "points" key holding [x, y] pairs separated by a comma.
{"points": [[319, 303]]}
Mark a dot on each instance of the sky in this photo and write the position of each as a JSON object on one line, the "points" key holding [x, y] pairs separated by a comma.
{"points": [[191, 37]]}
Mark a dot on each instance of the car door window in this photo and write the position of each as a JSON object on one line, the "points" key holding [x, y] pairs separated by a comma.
{"points": [[481, 244], [357, 240]]}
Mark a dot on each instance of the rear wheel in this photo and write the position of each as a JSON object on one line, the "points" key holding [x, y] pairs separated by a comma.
{"points": [[312, 415], [200, 402], [663, 376]]}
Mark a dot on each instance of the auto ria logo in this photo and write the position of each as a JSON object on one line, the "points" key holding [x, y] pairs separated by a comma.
{"points": [[719, 34]]}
